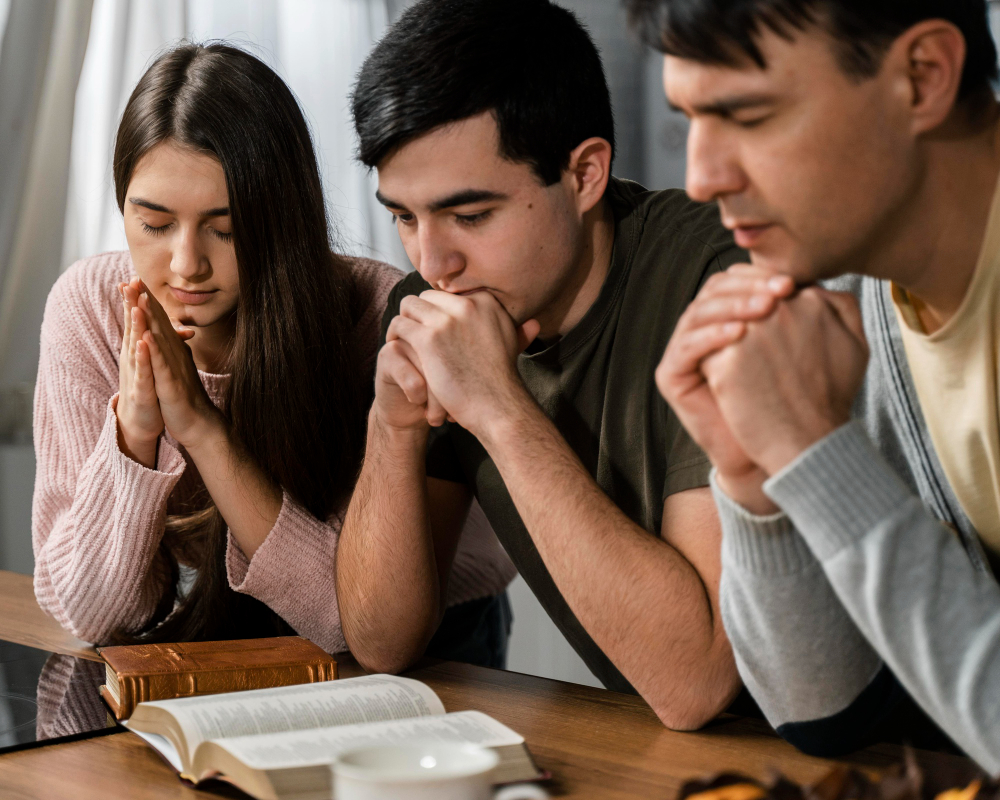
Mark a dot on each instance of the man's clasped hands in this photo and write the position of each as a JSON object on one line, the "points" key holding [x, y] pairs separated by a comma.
{"points": [[757, 370], [159, 386]]}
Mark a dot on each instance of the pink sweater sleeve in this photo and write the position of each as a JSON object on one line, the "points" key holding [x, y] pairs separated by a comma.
{"points": [[293, 573], [97, 515]]}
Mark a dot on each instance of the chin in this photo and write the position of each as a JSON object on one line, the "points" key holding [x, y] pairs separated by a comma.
{"points": [[798, 267], [194, 318]]}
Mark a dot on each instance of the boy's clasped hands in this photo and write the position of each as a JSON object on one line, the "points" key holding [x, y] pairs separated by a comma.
{"points": [[451, 357], [159, 386]]}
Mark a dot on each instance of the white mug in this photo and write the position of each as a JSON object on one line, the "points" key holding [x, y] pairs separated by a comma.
{"points": [[432, 771]]}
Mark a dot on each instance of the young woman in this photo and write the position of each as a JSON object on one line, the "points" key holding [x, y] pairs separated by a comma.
{"points": [[201, 399]]}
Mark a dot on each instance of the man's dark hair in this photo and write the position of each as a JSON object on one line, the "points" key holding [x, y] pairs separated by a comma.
{"points": [[720, 31], [529, 62]]}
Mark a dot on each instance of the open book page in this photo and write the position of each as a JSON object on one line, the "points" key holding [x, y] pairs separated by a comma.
{"points": [[371, 698], [164, 747], [304, 748]]}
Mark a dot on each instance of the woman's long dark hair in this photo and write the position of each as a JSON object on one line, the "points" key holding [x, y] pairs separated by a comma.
{"points": [[297, 399]]}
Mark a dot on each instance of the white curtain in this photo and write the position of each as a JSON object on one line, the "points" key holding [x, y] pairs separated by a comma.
{"points": [[40, 59]]}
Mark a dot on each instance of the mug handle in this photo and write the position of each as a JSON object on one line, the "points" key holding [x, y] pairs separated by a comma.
{"points": [[521, 791]]}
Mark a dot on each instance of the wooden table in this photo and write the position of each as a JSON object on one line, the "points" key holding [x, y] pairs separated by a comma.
{"points": [[596, 743]]}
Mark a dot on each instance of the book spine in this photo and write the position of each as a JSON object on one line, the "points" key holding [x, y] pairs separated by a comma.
{"points": [[132, 689], [136, 689]]}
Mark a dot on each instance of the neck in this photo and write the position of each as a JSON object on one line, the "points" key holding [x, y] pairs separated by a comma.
{"points": [[211, 345], [584, 281], [931, 245]]}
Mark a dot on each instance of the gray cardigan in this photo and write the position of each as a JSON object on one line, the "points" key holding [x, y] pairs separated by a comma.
{"points": [[859, 572]]}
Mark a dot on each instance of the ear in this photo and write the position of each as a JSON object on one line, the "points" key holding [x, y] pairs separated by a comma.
{"points": [[932, 55], [589, 172]]}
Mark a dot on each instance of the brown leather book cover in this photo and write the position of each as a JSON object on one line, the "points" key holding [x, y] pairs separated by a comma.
{"points": [[165, 671]]}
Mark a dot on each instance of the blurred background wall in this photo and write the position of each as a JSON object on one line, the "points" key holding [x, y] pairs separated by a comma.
{"points": [[66, 69]]}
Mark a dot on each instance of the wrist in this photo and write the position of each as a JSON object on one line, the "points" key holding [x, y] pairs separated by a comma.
{"points": [[139, 448], [783, 450], [507, 420], [395, 437], [746, 488], [210, 427]]}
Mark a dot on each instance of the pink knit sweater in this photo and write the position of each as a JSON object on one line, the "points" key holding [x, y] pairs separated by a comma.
{"points": [[98, 516]]}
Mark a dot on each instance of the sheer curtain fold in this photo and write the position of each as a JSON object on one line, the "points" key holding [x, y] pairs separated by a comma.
{"points": [[125, 36], [43, 48]]}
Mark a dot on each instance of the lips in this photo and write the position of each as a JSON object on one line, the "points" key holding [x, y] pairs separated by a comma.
{"points": [[748, 236], [192, 298]]}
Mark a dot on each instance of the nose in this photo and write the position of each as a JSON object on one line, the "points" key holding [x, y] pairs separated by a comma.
{"points": [[713, 169], [188, 259], [438, 261]]}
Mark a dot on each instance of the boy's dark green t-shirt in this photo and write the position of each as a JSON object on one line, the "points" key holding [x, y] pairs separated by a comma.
{"points": [[596, 384]]}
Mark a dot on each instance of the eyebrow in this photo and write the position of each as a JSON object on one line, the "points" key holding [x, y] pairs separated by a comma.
{"points": [[728, 106], [222, 211], [461, 198]]}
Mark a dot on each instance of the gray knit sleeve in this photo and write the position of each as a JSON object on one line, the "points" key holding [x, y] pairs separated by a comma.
{"points": [[798, 652], [905, 580]]}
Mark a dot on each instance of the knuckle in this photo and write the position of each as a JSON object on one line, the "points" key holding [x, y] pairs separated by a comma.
{"points": [[441, 329], [716, 381], [812, 296], [389, 353], [663, 376], [716, 278]]}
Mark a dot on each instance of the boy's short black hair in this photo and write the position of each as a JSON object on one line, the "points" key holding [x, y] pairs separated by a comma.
{"points": [[529, 62], [719, 31]]}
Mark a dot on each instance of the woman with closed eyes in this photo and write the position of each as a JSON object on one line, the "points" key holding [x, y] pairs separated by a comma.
{"points": [[201, 399]]}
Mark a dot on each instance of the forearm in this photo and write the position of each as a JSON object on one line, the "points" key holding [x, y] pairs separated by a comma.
{"points": [[798, 652], [906, 582], [388, 584], [247, 500], [641, 601], [96, 532]]}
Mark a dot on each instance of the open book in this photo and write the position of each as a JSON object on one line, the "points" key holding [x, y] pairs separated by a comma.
{"points": [[278, 744]]}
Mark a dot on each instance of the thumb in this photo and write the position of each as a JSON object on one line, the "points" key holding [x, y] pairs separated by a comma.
{"points": [[526, 333]]}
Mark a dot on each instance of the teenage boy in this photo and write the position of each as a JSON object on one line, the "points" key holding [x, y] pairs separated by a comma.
{"points": [[848, 137], [520, 357]]}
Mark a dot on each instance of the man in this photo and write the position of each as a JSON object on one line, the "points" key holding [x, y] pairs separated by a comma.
{"points": [[848, 137], [520, 357]]}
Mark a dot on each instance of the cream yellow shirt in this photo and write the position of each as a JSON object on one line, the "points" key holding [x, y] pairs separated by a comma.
{"points": [[955, 370]]}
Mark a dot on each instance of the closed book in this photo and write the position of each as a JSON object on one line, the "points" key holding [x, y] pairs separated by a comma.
{"points": [[141, 672]]}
